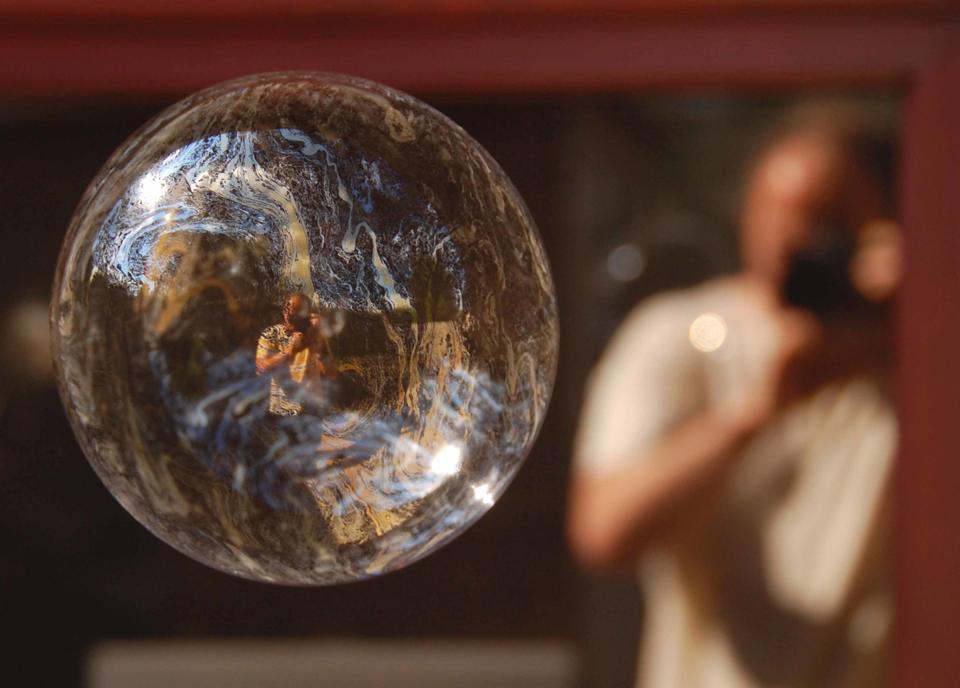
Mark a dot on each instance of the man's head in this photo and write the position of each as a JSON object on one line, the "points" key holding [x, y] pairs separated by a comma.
{"points": [[818, 173], [296, 312]]}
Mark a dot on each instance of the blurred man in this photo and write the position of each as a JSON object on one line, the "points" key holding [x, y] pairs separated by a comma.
{"points": [[737, 439]]}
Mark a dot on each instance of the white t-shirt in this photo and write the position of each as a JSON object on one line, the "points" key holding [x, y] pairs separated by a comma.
{"points": [[780, 580]]}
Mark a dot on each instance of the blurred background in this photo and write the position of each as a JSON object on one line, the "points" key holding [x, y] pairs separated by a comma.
{"points": [[626, 126]]}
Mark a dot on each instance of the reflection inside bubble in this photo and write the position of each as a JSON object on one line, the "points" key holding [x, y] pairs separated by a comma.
{"points": [[294, 353]]}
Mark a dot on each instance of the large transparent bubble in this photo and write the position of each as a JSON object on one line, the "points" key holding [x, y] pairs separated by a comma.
{"points": [[304, 328]]}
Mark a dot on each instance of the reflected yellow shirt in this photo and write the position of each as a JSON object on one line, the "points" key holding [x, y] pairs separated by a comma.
{"points": [[273, 341]]}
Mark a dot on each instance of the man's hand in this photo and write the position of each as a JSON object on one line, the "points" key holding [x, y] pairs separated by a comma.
{"points": [[297, 343], [793, 373]]}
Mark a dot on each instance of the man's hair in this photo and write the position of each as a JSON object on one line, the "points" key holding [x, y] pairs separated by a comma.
{"points": [[860, 137], [295, 296]]}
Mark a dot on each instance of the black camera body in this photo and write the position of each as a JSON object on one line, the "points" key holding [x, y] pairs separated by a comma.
{"points": [[818, 276]]}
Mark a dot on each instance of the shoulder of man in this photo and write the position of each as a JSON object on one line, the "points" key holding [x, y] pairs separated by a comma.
{"points": [[274, 334], [667, 316]]}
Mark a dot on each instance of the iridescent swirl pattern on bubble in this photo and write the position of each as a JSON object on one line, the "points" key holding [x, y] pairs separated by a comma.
{"points": [[304, 328]]}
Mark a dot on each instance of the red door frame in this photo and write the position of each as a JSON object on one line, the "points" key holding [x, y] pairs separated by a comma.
{"points": [[927, 506], [56, 49], [124, 48]]}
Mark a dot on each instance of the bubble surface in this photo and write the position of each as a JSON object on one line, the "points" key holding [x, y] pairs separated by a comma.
{"points": [[304, 328]]}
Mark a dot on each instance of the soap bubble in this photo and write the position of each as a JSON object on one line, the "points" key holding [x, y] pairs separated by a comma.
{"points": [[304, 328]]}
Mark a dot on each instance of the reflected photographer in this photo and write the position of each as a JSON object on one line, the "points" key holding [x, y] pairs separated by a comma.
{"points": [[294, 350]]}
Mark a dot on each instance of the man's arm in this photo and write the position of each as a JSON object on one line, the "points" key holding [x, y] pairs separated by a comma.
{"points": [[268, 362], [614, 516], [268, 357]]}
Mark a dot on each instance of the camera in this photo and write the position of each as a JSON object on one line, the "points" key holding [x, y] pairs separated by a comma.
{"points": [[818, 276]]}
